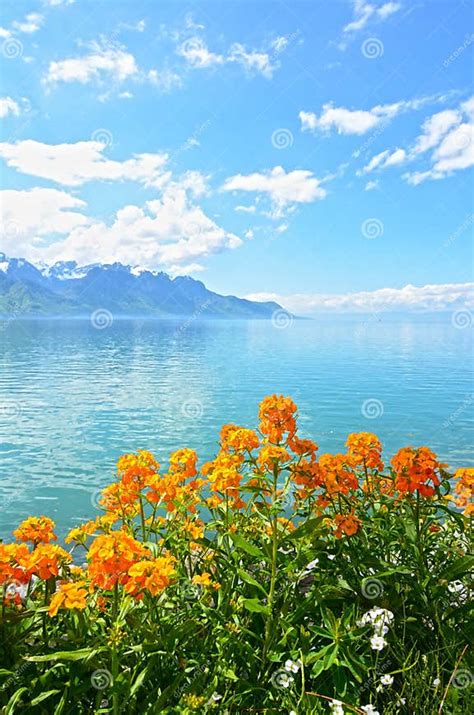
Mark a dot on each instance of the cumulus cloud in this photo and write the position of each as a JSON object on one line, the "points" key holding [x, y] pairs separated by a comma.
{"points": [[283, 188], [356, 121], [165, 233], [365, 11], [8, 106], [77, 163], [450, 136], [101, 63], [198, 56], [27, 216], [384, 160], [435, 297], [30, 24], [171, 233]]}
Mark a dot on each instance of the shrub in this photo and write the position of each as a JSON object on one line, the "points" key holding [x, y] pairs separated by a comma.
{"points": [[270, 580]]}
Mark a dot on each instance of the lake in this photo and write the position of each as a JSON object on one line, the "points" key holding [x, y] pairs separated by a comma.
{"points": [[73, 397]]}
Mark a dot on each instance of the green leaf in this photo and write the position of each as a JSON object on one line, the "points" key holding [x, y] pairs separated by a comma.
{"points": [[43, 696], [81, 654], [309, 527], [254, 606], [246, 546], [139, 681], [251, 580], [15, 698], [458, 568]]}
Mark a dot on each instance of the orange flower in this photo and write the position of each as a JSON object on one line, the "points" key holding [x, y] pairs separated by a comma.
{"points": [[11, 555], [277, 418], [69, 595], [238, 439], [270, 455], [336, 475], [172, 489], [111, 556], [152, 575], [80, 533], [223, 473], [46, 561], [303, 446], [346, 524], [206, 581], [365, 450], [465, 489], [38, 529], [414, 468]]}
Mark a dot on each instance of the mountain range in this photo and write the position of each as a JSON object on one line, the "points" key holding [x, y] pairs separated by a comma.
{"points": [[67, 289]]}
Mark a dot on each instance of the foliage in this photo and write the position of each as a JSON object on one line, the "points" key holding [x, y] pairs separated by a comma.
{"points": [[270, 580]]}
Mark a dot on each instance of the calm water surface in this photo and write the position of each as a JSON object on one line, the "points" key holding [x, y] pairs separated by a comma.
{"points": [[73, 398]]}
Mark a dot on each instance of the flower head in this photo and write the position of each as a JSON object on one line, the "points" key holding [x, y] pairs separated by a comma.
{"points": [[69, 595], [111, 556], [38, 529]]}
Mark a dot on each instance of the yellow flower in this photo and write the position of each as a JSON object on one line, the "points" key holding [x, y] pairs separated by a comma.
{"points": [[70, 596]]}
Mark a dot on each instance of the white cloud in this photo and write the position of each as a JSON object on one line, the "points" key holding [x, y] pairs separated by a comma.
{"points": [[434, 128], [4, 33], [166, 233], [198, 56], [102, 63], [246, 209], [384, 160], [426, 298], [355, 121], [252, 61], [283, 188], [55, 3], [165, 79], [371, 185], [8, 106], [196, 53], [30, 24], [452, 141], [364, 11], [29, 215], [74, 164]]}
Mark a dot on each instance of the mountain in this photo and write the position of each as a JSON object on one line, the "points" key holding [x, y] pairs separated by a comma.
{"points": [[67, 289]]}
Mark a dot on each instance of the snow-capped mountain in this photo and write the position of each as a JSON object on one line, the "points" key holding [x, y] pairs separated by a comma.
{"points": [[66, 288]]}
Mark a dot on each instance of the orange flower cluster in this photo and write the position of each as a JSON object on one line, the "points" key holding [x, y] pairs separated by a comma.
{"points": [[224, 476], [277, 418], [465, 490], [347, 524], [272, 456], [69, 595], [365, 450], [153, 575], [172, 489], [238, 439], [111, 556], [205, 580], [11, 558], [46, 561], [38, 529], [414, 469], [336, 474]]}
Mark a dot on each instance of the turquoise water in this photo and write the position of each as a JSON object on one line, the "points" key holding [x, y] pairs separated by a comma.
{"points": [[74, 397]]}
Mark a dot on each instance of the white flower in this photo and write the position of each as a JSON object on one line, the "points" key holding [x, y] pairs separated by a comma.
{"points": [[215, 697], [377, 642], [285, 680], [336, 707], [436, 682], [292, 666], [369, 710], [331, 556], [312, 565], [386, 679]]}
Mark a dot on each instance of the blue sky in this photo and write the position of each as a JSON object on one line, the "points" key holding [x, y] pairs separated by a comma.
{"points": [[299, 150]]}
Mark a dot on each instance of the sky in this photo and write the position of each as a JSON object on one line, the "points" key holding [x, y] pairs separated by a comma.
{"points": [[318, 153]]}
